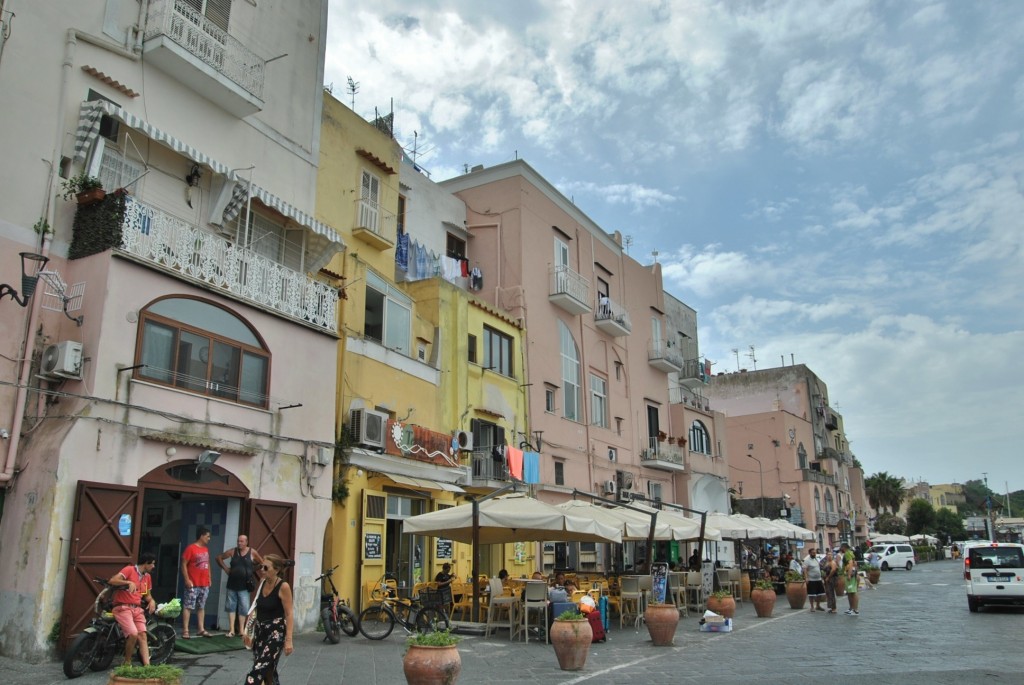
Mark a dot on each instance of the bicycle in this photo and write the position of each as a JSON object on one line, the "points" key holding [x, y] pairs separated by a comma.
{"points": [[335, 613], [100, 643], [421, 614]]}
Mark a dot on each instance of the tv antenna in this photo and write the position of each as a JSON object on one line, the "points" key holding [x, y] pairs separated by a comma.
{"points": [[654, 253], [736, 351], [753, 357], [352, 89], [627, 241]]}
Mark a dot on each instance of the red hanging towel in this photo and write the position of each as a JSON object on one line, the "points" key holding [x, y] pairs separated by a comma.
{"points": [[515, 462]]}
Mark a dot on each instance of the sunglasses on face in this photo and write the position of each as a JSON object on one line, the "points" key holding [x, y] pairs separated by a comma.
{"points": [[265, 567]]}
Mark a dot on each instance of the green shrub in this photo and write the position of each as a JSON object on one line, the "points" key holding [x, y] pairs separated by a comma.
{"points": [[436, 638], [570, 615], [165, 673]]}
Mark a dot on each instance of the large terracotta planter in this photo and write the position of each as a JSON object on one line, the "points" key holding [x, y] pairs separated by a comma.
{"points": [[661, 621], [764, 602], [723, 606], [121, 680], [432, 665], [840, 586], [796, 593], [874, 575], [745, 585], [571, 640]]}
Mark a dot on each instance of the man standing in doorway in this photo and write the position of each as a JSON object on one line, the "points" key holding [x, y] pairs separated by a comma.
{"points": [[195, 569], [241, 580]]}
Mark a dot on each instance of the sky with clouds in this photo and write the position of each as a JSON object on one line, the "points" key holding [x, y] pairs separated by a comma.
{"points": [[842, 182]]}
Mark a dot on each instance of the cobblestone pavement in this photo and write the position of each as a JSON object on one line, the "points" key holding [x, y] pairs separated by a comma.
{"points": [[913, 628]]}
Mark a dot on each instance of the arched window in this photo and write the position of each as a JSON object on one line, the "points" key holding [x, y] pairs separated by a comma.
{"points": [[829, 505], [203, 348], [801, 454], [570, 373], [700, 441], [817, 500]]}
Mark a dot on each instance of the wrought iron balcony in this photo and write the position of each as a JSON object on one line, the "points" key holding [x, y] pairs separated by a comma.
{"points": [[374, 225], [826, 518], [612, 318], [569, 290], [662, 455], [485, 468], [183, 42], [812, 476], [178, 247], [662, 356]]}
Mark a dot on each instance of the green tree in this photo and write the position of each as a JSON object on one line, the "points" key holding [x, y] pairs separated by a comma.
{"points": [[884, 491], [891, 524], [949, 526], [920, 517]]}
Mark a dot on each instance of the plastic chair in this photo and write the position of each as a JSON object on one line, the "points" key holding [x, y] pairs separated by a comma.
{"points": [[502, 612], [695, 591], [677, 592], [464, 605], [535, 599], [629, 599], [736, 584]]}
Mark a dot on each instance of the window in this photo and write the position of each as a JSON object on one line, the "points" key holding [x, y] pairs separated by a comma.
{"points": [[217, 11], [110, 127], [471, 356], [656, 330], [618, 371], [549, 399], [202, 348], [271, 240], [116, 170], [486, 435], [388, 315], [618, 425], [700, 441], [455, 247], [654, 490], [829, 506], [801, 454], [561, 253], [369, 205], [653, 427], [598, 401], [817, 500], [559, 473], [497, 351], [401, 214], [570, 373]]}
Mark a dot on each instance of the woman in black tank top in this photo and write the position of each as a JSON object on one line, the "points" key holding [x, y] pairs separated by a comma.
{"points": [[274, 621]]}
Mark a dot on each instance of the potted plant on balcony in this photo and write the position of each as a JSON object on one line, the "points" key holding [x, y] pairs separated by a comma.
{"points": [[432, 659], [87, 189], [796, 590], [571, 636]]}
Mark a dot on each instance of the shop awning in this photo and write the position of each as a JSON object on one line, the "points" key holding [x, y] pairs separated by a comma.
{"points": [[424, 484]]}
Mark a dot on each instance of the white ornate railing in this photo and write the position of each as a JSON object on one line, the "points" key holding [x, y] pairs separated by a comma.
{"points": [[371, 216], [565, 281], [179, 21], [175, 244]]}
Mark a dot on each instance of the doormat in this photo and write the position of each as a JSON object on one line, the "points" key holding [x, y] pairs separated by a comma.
{"points": [[208, 645]]}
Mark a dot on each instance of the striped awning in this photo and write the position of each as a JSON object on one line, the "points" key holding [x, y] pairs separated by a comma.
{"points": [[323, 242]]}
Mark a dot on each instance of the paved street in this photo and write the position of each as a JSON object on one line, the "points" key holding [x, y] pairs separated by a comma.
{"points": [[914, 628]]}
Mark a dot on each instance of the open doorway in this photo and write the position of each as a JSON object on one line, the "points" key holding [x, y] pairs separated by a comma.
{"points": [[405, 552]]}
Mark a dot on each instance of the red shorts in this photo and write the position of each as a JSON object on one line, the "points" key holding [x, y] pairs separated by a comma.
{"points": [[131, 619]]}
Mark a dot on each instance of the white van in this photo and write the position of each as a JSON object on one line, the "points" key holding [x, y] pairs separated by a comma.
{"points": [[995, 574], [888, 557]]}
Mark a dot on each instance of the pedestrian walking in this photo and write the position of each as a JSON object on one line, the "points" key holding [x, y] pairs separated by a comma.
{"points": [[275, 623], [852, 580], [815, 586], [829, 575]]}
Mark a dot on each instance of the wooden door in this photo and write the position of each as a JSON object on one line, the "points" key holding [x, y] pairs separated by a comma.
{"points": [[271, 527]]}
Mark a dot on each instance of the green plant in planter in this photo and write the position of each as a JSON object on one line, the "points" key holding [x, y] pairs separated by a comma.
{"points": [[80, 183], [794, 577], [570, 615], [435, 638], [721, 594], [764, 584], [165, 673]]}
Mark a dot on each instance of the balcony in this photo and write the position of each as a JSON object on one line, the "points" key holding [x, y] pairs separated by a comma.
{"points": [[662, 356], [488, 472], [184, 250], [692, 373], [826, 518], [813, 476], [569, 290], [662, 456], [188, 46], [374, 225], [612, 318]]}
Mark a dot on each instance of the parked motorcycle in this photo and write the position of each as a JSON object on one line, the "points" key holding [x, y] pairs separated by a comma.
{"points": [[335, 613], [103, 641]]}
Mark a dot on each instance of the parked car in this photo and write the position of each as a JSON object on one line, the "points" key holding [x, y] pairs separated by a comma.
{"points": [[888, 557], [995, 574]]}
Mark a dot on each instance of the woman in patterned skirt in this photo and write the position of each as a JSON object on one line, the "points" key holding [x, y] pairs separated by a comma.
{"points": [[274, 621]]}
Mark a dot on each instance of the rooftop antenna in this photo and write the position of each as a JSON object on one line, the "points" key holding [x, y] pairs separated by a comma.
{"points": [[352, 89], [753, 357], [654, 253], [628, 240], [736, 351], [415, 145]]}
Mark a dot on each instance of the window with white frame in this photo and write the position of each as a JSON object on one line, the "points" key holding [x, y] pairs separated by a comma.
{"points": [[217, 11], [570, 373], [549, 398], [369, 202], [270, 239], [497, 351], [829, 504], [116, 170], [700, 441], [388, 315], [598, 401], [654, 490]]}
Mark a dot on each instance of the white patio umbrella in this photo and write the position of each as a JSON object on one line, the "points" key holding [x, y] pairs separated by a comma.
{"points": [[795, 532], [734, 526], [683, 527], [773, 529], [888, 539], [633, 525], [511, 518], [924, 537]]}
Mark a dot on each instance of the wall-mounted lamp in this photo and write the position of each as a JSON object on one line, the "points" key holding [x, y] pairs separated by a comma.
{"points": [[206, 459], [538, 442], [29, 278]]}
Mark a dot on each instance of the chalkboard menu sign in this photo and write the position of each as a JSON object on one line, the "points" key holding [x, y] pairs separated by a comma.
{"points": [[371, 546], [659, 578], [444, 548]]}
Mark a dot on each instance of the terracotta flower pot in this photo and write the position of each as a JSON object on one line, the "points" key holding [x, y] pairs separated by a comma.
{"points": [[91, 196], [874, 575], [571, 640], [724, 606], [764, 602], [796, 593], [661, 620], [121, 680], [840, 586], [432, 665]]}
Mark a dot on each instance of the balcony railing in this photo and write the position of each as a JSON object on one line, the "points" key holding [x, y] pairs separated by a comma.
{"points": [[374, 224], [826, 518], [612, 318], [178, 246], [658, 454], [662, 356], [209, 43], [812, 476], [569, 290], [487, 468]]}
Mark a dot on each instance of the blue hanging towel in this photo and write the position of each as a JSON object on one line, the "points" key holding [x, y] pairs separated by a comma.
{"points": [[531, 467]]}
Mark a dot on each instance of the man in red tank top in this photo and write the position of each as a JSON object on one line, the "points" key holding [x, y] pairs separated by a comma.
{"points": [[132, 586]]}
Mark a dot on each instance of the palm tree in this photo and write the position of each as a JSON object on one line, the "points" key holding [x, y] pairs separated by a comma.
{"points": [[884, 491]]}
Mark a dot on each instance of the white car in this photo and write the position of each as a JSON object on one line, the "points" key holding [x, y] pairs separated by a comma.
{"points": [[887, 557], [995, 574]]}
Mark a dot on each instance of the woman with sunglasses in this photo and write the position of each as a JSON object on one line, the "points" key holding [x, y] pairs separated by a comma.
{"points": [[274, 620]]}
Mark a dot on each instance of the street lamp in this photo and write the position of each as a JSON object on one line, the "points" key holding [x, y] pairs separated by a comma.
{"points": [[760, 477], [31, 263]]}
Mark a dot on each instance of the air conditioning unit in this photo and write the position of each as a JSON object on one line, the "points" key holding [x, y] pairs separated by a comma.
{"points": [[625, 496], [367, 427], [613, 454], [625, 480], [464, 440], [62, 360], [609, 487]]}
